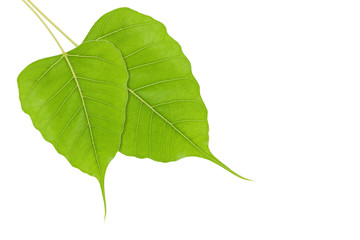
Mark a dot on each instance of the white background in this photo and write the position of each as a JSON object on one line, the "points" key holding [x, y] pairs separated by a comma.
{"points": [[281, 82]]}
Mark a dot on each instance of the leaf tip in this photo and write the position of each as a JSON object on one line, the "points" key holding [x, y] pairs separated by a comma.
{"points": [[218, 162], [102, 186]]}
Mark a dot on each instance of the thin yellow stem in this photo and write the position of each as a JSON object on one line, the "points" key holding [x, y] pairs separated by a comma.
{"points": [[57, 42], [52, 23]]}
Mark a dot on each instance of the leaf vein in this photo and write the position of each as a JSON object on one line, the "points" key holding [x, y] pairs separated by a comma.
{"points": [[87, 118], [94, 57], [41, 77], [44, 105], [190, 120], [102, 102], [100, 117], [143, 48], [67, 124], [160, 82], [175, 101], [154, 62], [123, 28], [102, 28], [168, 122], [99, 81], [76, 139], [106, 130], [57, 111]]}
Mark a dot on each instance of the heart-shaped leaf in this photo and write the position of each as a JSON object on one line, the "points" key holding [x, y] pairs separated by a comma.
{"points": [[77, 101], [166, 118]]}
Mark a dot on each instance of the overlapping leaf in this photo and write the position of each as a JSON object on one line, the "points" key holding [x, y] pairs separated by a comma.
{"points": [[166, 118], [127, 88], [77, 101]]}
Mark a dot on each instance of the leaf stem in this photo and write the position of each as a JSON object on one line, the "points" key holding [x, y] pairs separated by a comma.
{"points": [[52, 23], [57, 42]]}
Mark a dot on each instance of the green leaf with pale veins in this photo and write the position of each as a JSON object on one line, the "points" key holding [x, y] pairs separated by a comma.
{"points": [[166, 118], [77, 101]]}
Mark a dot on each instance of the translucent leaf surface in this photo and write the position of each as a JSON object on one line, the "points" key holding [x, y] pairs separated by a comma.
{"points": [[77, 101], [166, 118]]}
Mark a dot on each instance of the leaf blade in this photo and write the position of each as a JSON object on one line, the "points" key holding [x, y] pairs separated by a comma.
{"points": [[162, 90], [51, 92]]}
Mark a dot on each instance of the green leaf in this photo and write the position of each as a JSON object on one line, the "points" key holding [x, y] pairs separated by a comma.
{"points": [[166, 118], [77, 101]]}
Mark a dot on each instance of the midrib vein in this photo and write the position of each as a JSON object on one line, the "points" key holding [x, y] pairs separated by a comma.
{"points": [[148, 105], [86, 114], [168, 122]]}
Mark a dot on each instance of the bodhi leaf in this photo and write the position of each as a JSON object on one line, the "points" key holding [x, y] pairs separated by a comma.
{"points": [[77, 101], [166, 118]]}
